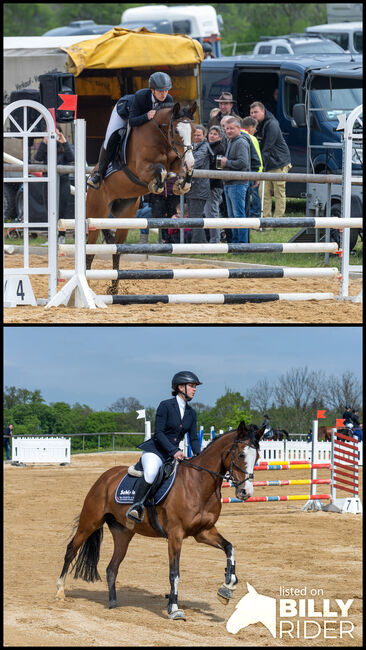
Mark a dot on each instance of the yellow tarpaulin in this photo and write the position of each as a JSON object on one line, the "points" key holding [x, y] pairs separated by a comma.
{"points": [[123, 48]]}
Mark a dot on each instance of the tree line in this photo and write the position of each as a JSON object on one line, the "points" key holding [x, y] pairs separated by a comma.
{"points": [[291, 401], [242, 22]]}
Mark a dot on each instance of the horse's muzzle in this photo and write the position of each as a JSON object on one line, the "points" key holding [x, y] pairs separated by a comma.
{"points": [[243, 492]]}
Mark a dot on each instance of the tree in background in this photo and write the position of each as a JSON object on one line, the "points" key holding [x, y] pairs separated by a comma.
{"points": [[242, 22]]}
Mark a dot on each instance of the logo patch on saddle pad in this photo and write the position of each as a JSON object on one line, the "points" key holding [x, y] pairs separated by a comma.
{"points": [[125, 491]]}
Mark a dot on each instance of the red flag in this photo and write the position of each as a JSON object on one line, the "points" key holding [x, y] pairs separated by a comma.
{"points": [[69, 103], [339, 423], [320, 415]]}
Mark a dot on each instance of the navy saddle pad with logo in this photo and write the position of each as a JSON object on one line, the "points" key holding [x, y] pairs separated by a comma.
{"points": [[125, 491]]}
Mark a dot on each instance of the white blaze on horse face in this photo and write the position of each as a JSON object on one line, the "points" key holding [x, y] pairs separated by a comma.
{"points": [[184, 130], [250, 456]]}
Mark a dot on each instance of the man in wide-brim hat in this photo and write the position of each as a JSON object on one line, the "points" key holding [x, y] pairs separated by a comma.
{"points": [[226, 103]]}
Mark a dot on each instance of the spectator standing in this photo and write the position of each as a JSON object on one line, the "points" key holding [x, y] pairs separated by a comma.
{"points": [[212, 205], [144, 212], [208, 51], [226, 103], [65, 156], [200, 189], [7, 433], [174, 233], [237, 158], [276, 158], [256, 165], [271, 105]]}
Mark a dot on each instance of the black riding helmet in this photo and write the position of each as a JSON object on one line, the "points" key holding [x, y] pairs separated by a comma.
{"points": [[184, 377], [160, 81]]}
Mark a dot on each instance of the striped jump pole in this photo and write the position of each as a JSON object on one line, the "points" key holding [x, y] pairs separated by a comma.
{"points": [[199, 249], [229, 274], [255, 224], [213, 298], [305, 481], [291, 497], [284, 466]]}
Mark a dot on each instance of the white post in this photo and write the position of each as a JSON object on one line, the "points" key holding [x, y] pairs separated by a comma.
{"points": [[147, 430], [346, 201], [313, 504], [83, 295]]}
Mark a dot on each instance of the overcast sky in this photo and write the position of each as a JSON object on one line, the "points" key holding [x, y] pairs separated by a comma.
{"points": [[98, 365]]}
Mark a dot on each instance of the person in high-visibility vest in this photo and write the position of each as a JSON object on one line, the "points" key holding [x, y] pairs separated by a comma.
{"points": [[256, 165]]}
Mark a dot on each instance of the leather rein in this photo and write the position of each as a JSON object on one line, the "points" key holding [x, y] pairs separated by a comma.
{"points": [[236, 484]]}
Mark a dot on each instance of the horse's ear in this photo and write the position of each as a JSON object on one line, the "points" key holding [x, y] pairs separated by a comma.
{"points": [[242, 431], [176, 108], [193, 108]]}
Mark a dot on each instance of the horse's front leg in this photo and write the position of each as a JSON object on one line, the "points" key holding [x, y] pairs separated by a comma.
{"points": [[183, 184], [92, 239], [174, 549], [213, 538]]}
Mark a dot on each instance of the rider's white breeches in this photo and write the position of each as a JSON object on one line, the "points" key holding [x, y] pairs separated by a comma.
{"points": [[349, 425], [115, 122], [151, 464]]}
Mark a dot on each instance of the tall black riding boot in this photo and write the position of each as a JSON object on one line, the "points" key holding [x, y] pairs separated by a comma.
{"points": [[105, 156], [136, 511], [95, 179]]}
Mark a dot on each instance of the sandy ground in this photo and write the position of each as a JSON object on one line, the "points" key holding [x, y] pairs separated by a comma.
{"points": [[276, 545], [317, 312]]}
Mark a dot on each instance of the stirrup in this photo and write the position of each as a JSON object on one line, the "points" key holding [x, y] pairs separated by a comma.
{"points": [[133, 515]]}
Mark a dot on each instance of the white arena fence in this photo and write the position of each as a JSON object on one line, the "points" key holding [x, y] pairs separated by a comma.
{"points": [[77, 284]]}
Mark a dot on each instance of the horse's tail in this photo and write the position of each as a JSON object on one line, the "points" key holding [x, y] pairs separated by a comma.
{"points": [[286, 434], [85, 566]]}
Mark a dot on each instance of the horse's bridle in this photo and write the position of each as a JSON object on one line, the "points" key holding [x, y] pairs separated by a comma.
{"points": [[171, 142], [236, 484]]}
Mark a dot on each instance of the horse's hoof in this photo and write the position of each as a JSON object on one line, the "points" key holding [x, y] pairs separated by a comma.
{"points": [[224, 594], [178, 615], [112, 291], [113, 604]]}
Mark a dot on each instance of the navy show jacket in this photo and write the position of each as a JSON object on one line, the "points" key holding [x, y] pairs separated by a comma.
{"points": [[170, 430]]}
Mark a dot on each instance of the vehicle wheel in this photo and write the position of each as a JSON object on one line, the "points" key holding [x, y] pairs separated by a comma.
{"points": [[335, 235], [9, 208]]}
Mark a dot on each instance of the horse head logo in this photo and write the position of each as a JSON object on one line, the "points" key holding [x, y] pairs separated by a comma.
{"points": [[253, 608]]}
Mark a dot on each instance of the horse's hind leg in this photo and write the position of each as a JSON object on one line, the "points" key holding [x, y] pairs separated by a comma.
{"points": [[213, 538], [121, 537], [89, 536]]}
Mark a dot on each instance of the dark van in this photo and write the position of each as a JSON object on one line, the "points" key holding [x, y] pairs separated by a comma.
{"points": [[313, 91]]}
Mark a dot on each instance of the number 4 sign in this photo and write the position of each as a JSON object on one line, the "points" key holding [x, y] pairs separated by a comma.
{"points": [[18, 291]]}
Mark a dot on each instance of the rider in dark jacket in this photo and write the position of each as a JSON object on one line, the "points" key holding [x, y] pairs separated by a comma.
{"points": [[347, 418], [174, 418], [143, 109]]}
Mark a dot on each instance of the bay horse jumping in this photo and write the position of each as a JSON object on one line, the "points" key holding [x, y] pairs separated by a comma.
{"points": [[155, 149], [190, 509]]}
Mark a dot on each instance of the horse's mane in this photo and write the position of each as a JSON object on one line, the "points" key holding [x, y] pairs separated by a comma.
{"points": [[252, 428]]}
